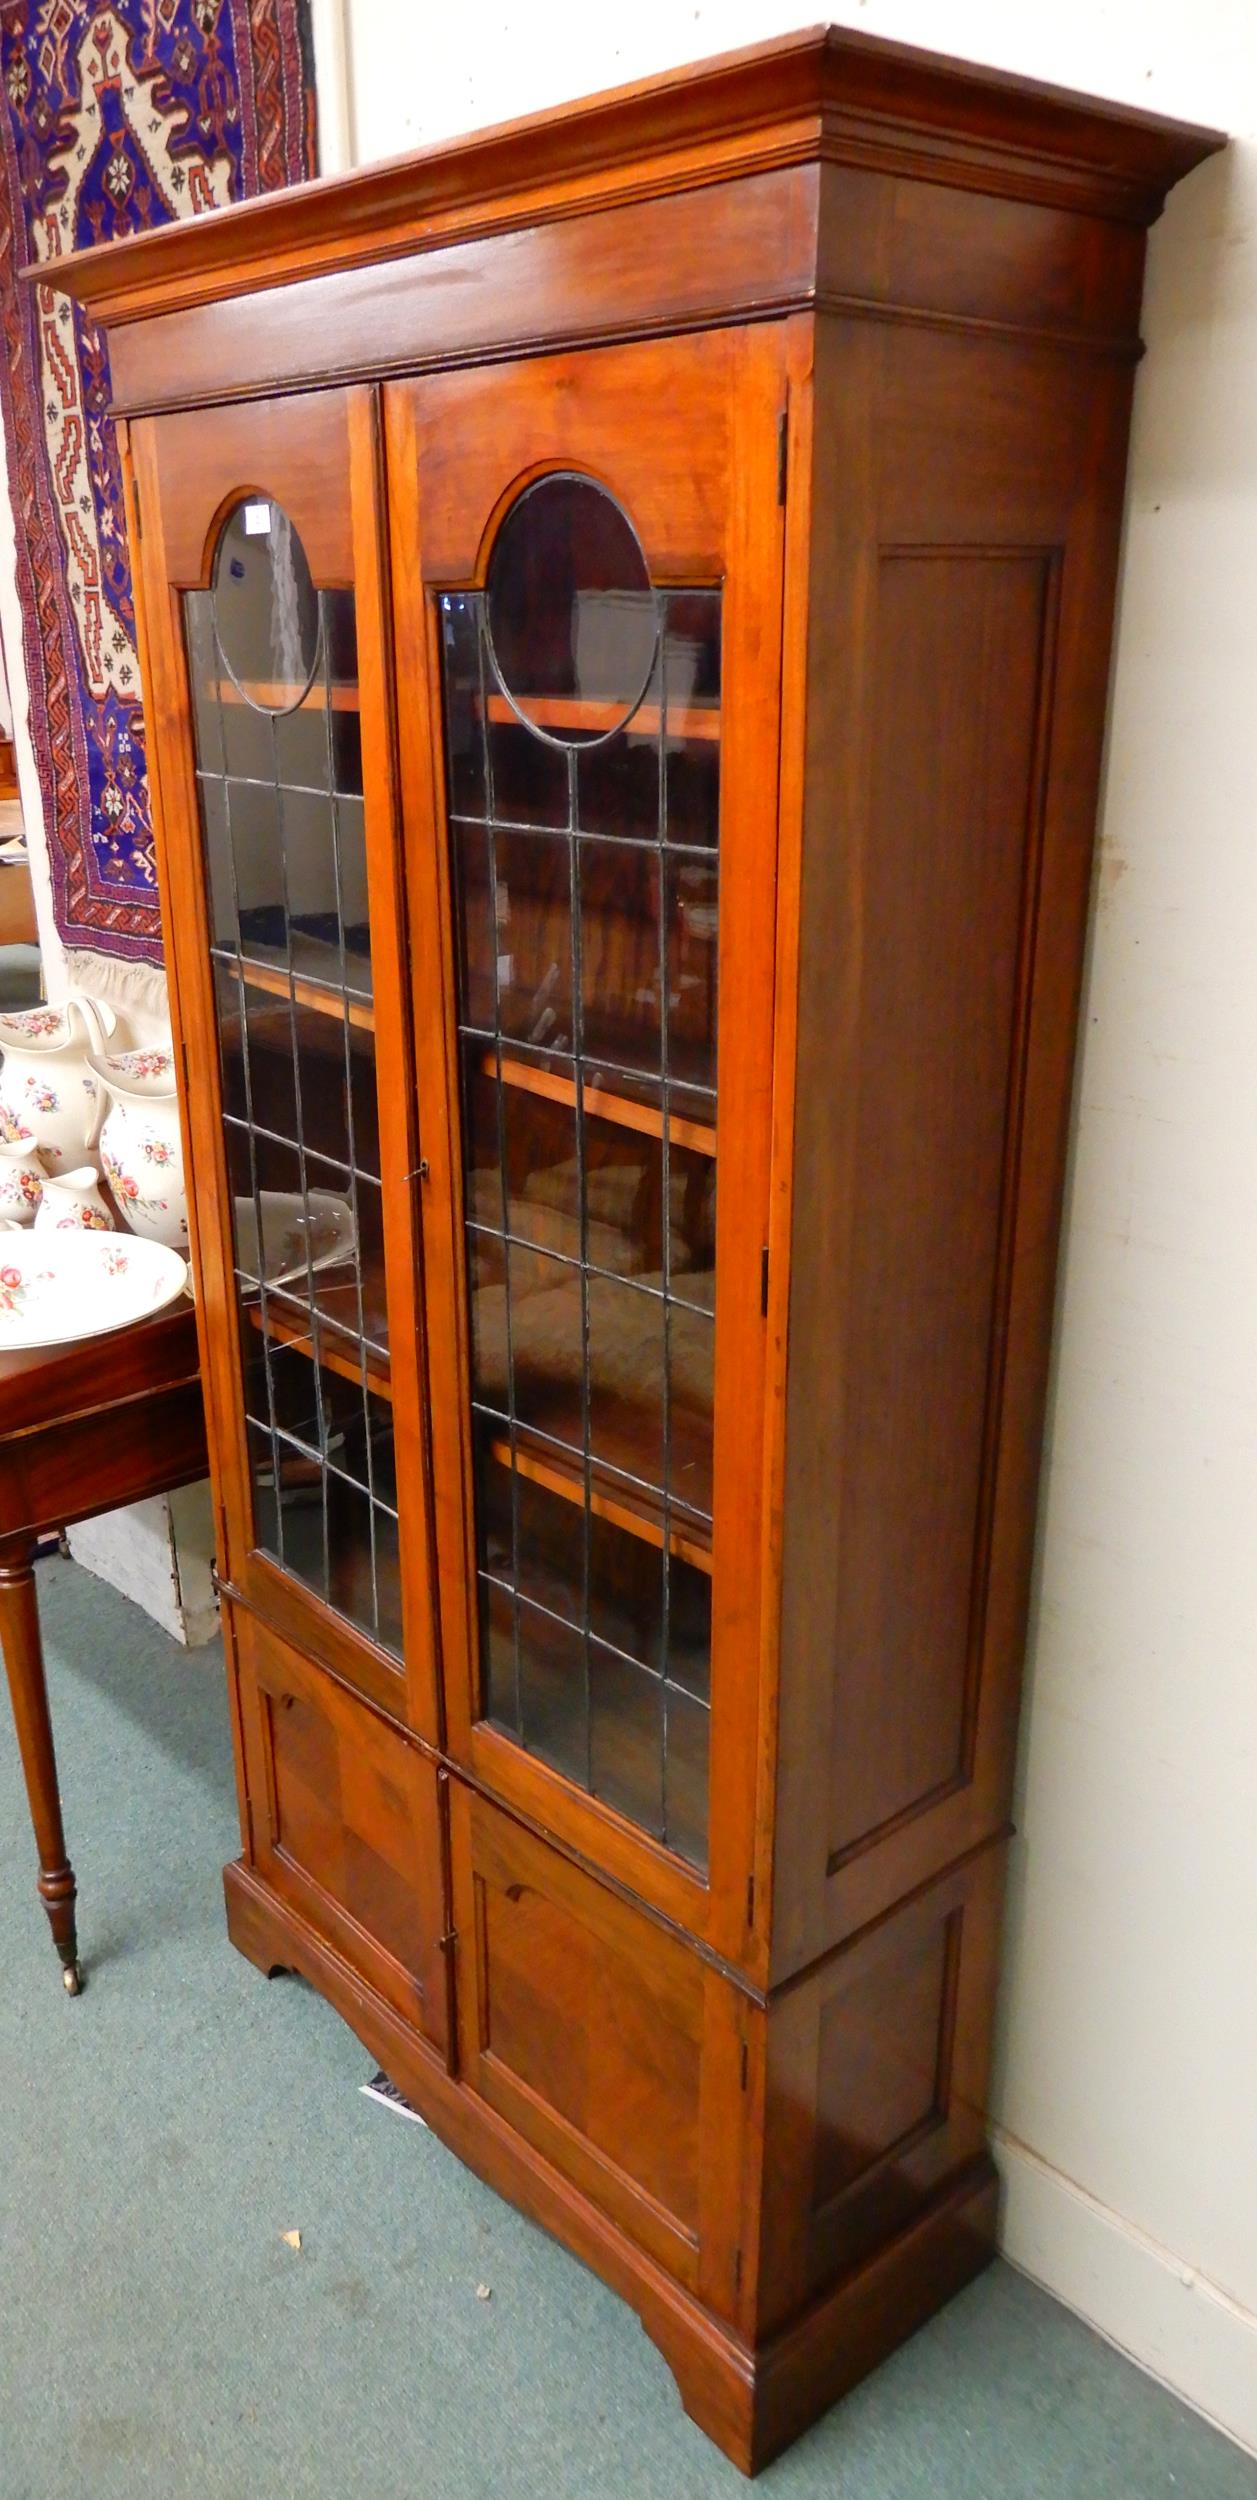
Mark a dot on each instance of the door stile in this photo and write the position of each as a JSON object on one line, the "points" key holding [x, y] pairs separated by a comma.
{"points": [[400, 1139], [178, 838], [747, 973], [433, 1018]]}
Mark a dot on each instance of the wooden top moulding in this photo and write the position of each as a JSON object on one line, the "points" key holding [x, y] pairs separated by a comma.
{"points": [[823, 95]]}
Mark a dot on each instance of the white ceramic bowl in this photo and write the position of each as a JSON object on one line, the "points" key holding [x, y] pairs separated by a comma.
{"points": [[296, 1234], [56, 1287]]}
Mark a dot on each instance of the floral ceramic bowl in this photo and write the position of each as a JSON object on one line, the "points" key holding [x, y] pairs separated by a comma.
{"points": [[56, 1287]]}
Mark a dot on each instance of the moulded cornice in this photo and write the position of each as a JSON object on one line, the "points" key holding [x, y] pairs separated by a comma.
{"points": [[825, 93]]}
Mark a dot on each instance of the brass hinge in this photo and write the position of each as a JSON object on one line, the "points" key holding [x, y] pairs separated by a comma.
{"points": [[783, 453]]}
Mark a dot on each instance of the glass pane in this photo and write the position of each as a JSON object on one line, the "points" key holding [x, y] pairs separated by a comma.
{"points": [[340, 627], [531, 905], [626, 1710], [273, 669], [691, 756], [465, 764], [692, 926], [622, 955], [266, 610], [573, 624], [528, 780], [584, 848], [551, 1668]]}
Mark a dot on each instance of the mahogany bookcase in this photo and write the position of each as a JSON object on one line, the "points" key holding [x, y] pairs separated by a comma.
{"points": [[626, 605]]}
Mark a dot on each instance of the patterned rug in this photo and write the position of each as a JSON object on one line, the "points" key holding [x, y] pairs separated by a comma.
{"points": [[112, 119]]}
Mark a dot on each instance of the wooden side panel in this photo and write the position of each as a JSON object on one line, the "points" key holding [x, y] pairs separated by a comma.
{"points": [[958, 668], [965, 503], [605, 2040], [345, 1823], [877, 2076], [932, 249]]}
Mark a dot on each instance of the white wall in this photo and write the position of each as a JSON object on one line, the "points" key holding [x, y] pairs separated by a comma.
{"points": [[1129, 2064]]}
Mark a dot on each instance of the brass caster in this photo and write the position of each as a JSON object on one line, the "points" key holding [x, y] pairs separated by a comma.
{"points": [[72, 1979]]}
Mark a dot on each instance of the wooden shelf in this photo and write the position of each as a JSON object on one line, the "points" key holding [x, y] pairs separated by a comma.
{"points": [[332, 1302], [644, 1117], [607, 1499], [554, 711], [272, 695], [307, 990]]}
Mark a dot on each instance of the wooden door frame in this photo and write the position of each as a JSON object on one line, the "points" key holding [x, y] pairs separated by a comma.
{"points": [[230, 452], [730, 1911]]}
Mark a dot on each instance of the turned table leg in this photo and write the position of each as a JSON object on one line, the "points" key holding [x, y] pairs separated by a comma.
{"points": [[24, 1661]]}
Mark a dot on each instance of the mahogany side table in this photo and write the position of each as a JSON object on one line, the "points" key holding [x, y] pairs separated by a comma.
{"points": [[83, 1428]]}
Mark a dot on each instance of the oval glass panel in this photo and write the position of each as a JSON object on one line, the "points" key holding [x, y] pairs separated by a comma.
{"points": [[572, 617], [266, 608]]}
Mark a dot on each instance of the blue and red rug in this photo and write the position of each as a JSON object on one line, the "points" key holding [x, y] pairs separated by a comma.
{"points": [[112, 119]]}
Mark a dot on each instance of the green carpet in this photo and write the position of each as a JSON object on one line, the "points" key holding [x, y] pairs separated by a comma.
{"points": [[162, 2133]]}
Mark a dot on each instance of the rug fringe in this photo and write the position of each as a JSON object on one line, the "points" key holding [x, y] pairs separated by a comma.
{"points": [[135, 991]]}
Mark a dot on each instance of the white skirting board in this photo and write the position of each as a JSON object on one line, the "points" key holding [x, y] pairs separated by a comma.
{"points": [[1182, 2329], [158, 1554]]}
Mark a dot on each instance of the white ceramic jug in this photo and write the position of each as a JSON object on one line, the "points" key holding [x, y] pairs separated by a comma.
{"points": [[72, 1203], [48, 1094], [22, 1179], [140, 1145]]}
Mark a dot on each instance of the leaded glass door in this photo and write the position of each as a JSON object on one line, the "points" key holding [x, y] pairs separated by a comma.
{"points": [[270, 524], [599, 625]]}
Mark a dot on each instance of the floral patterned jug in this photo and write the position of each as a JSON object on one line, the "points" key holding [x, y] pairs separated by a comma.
{"points": [[140, 1144], [48, 1094], [72, 1203], [23, 1178]]}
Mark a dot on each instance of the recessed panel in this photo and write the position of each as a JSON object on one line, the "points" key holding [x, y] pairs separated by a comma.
{"points": [[590, 2025], [878, 2079], [948, 884], [344, 1819]]}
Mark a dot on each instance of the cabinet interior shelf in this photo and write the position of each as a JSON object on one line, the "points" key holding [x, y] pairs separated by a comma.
{"points": [[271, 694], [623, 1508], [348, 1361], [558, 711], [600, 1104], [276, 981]]}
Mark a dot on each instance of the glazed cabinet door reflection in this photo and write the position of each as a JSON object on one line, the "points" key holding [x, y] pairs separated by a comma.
{"points": [[280, 841], [590, 602]]}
